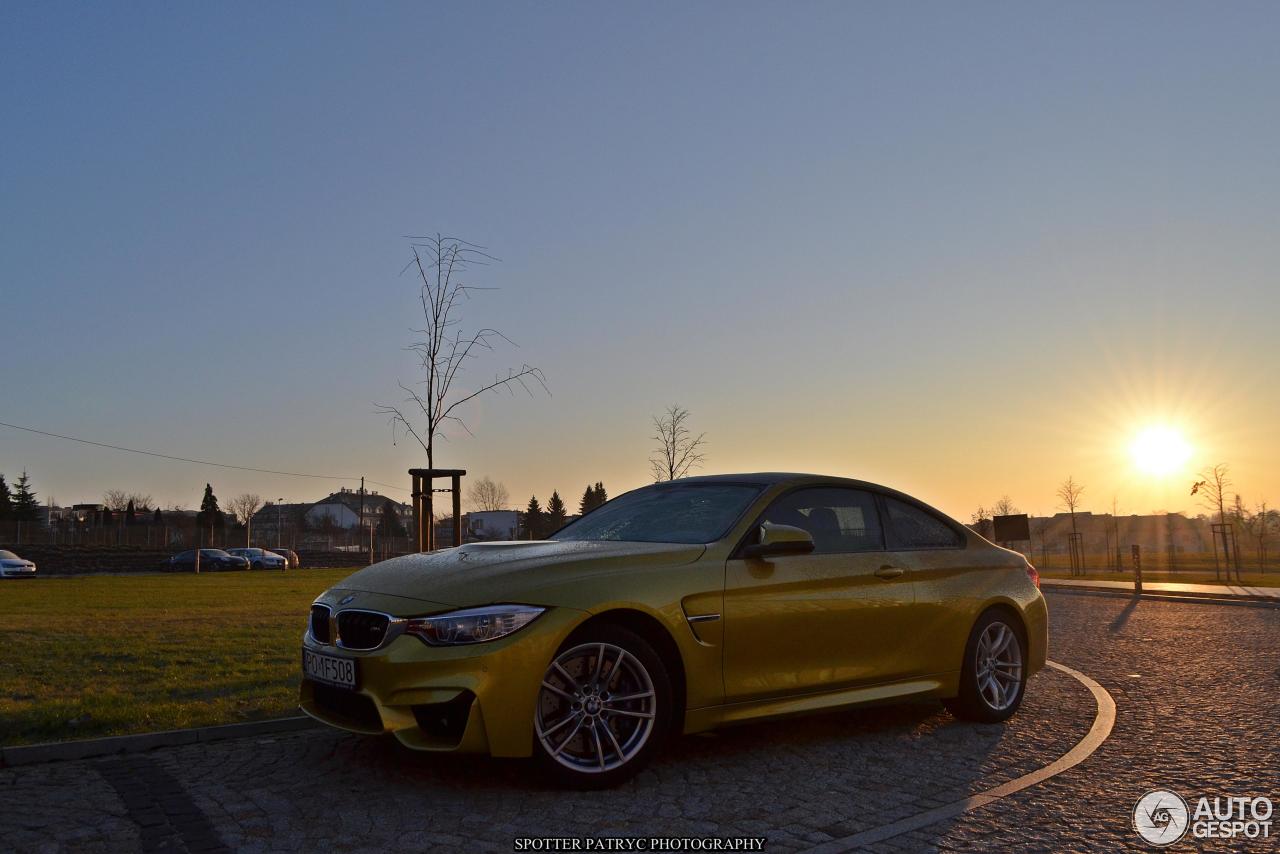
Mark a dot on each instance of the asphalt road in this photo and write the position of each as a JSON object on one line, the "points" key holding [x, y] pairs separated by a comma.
{"points": [[1198, 702]]}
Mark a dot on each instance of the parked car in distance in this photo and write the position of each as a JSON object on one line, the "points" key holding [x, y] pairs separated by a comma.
{"points": [[676, 608], [211, 560], [291, 555], [12, 566], [261, 558]]}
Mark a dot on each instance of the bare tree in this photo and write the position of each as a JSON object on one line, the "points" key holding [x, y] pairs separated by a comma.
{"points": [[1004, 507], [242, 508], [486, 494], [1255, 527], [1069, 493], [1264, 526], [442, 265], [980, 521], [678, 451], [1040, 528], [116, 500], [1212, 489]]}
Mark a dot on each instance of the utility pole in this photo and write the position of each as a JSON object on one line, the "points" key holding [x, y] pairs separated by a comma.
{"points": [[361, 525]]}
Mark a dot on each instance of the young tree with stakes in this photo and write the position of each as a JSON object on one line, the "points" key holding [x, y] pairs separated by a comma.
{"points": [[441, 265], [1069, 493], [1213, 488]]}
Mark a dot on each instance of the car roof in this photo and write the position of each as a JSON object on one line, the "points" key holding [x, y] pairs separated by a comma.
{"points": [[774, 478], [769, 478]]}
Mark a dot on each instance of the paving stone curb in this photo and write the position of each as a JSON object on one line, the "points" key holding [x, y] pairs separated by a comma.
{"points": [[1164, 596], [31, 754]]}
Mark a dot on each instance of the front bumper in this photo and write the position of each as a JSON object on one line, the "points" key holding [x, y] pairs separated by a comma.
{"points": [[477, 698], [17, 572]]}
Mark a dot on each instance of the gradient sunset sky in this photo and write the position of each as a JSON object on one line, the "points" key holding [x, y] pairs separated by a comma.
{"points": [[961, 249]]}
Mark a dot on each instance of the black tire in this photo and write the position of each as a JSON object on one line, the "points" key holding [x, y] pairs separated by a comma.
{"points": [[974, 702], [257, 565], [623, 679]]}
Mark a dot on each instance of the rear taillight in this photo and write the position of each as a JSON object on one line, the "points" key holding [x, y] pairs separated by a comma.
{"points": [[1033, 575]]}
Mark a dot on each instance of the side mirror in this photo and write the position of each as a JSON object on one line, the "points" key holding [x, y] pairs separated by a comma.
{"points": [[778, 540]]}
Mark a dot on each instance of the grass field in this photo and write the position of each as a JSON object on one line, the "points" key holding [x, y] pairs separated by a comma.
{"points": [[108, 655], [1247, 579]]}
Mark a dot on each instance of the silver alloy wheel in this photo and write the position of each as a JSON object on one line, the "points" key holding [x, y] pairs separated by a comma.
{"points": [[998, 666], [596, 708]]}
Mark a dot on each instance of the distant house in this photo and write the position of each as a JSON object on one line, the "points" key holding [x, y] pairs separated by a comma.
{"points": [[339, 509], [343, 509], [1157, 531], [492, 525], [86, 512]]}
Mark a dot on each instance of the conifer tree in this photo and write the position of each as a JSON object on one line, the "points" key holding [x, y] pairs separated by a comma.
{"points": [[25, 506], [533, 520], [556, 513]]}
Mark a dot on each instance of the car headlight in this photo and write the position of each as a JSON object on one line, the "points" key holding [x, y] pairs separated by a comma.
{"points": [[472, 625]]}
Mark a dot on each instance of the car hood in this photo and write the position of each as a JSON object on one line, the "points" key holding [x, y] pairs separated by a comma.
{"points": [[531, 572]]}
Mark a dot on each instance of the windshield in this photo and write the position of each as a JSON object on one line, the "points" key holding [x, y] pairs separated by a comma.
{"points": [[682, 513], [4, 555]]}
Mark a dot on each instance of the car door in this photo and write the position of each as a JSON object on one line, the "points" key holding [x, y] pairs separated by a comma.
{"points": [[832, 619], [949, 588]]}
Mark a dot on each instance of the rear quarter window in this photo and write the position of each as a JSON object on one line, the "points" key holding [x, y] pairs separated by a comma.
{"points": [[910, 527]]}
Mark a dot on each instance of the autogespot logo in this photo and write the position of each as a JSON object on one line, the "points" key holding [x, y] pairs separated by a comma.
{"points": [[1161, 817]]}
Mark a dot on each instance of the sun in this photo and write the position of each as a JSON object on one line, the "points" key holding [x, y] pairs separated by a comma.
{"points": [[1160, 451]]}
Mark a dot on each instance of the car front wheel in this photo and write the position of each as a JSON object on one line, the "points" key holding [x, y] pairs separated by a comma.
{"points": [[603, 709], [994, 677]]}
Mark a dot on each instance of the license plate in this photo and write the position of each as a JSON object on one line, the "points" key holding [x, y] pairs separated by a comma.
{"points": [[329, 669]]}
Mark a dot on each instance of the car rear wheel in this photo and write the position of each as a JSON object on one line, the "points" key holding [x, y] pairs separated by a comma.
{"points": [[994, 676], [603, 708]]}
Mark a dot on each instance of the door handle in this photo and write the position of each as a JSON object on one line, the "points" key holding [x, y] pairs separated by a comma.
{"points": [[889, 572]]}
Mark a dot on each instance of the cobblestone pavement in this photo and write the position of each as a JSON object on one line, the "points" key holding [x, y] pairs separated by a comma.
{"points": [[1197, 690], [1196, 686]]}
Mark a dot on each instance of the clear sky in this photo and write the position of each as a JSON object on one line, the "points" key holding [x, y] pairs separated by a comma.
{"points": [[962, 249]]}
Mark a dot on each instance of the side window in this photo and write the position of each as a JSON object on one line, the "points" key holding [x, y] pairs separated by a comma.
{"points": [[839, 520], [910, 527]]}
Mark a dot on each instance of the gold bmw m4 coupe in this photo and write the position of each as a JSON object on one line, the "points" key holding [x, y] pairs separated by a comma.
{"points": [[677, 607]]}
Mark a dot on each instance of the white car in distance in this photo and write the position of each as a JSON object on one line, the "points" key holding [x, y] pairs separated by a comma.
{"points": [[12, 566]]}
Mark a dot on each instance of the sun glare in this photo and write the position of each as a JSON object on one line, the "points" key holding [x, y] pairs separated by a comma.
{"points": [[1160, 451]]}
